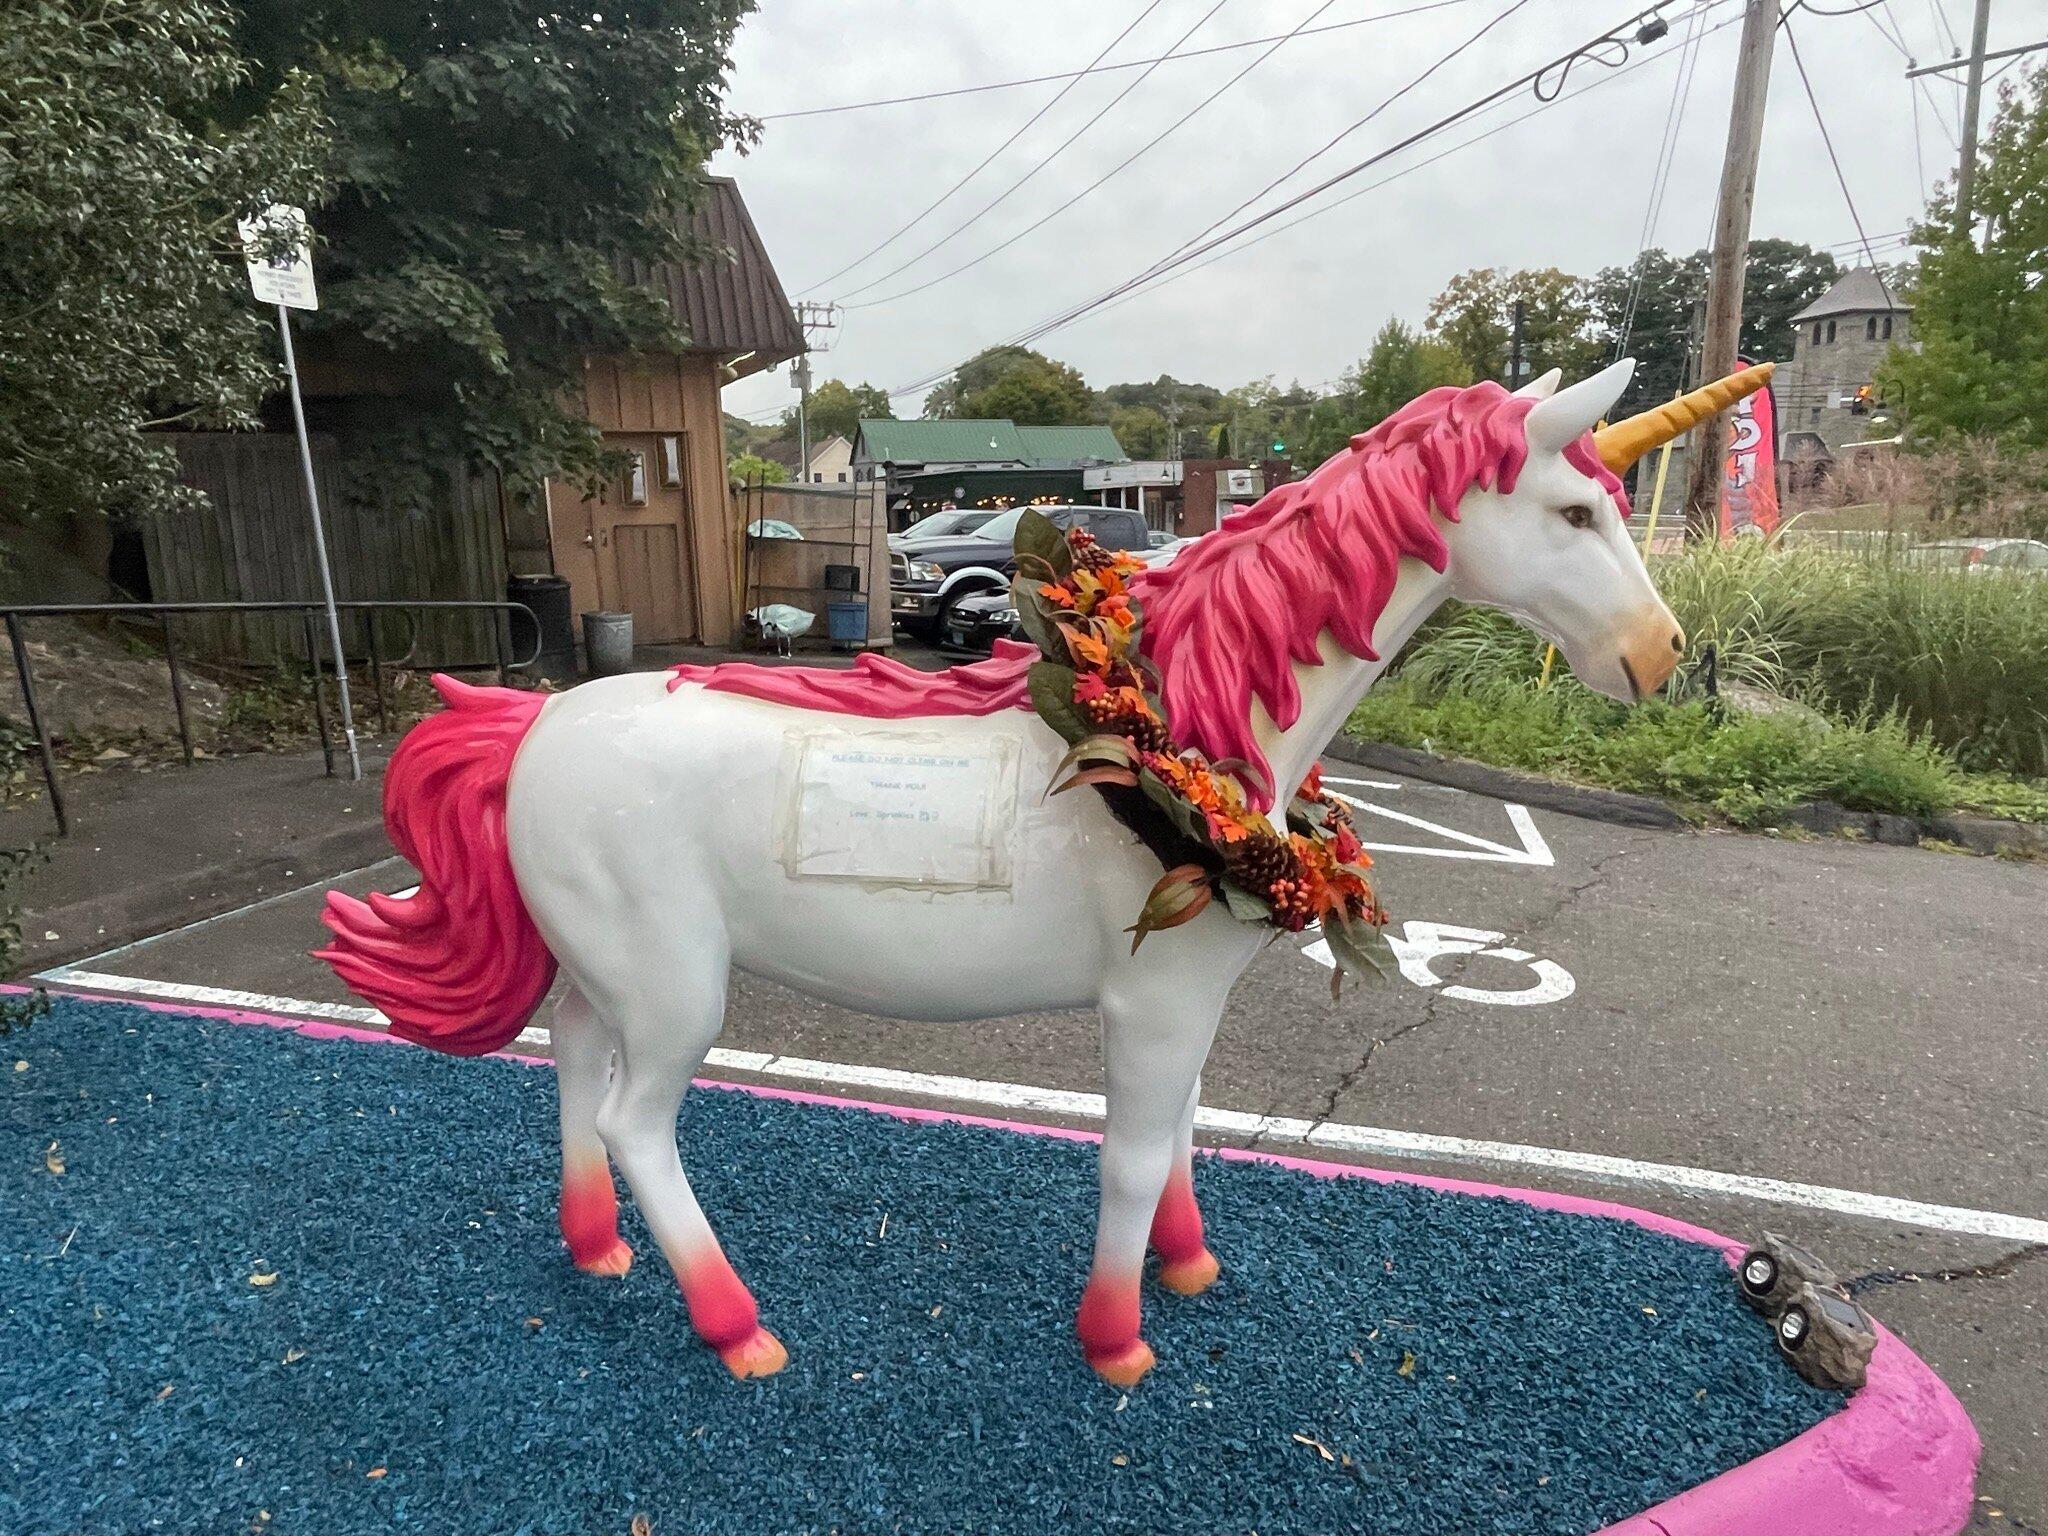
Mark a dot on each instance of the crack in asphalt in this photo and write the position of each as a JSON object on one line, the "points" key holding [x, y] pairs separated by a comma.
{"points": [[1519, 939], [1999, 1268]]}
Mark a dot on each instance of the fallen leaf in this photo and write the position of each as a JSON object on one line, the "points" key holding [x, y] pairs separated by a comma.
{"points": [[1320, 1449], [294, 1355], [1407, 1363], [1649, 1311], [374, 1472], [536, 1323], [21, 1066], [53, 1159], [263, 1279], [641, 1526], [166, 1390], [1119, 1460], [938, 1309]]}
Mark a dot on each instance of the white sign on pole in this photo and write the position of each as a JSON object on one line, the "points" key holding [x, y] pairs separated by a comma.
{"points": [[288, 278]]}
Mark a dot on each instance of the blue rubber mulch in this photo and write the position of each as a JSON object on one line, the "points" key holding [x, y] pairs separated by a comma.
{"points": [[1564, 1372]]}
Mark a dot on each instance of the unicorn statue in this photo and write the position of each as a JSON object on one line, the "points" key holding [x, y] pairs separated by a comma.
{"points": [[831, 830]]}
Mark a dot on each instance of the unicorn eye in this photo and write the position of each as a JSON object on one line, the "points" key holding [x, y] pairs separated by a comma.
{"points": [[1577, 514]]}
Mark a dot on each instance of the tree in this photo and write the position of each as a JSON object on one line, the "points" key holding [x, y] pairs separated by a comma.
{"points": [[1026, 386], [752, 469], [493, 163], [1474, 317], [1981, 316], [1401, 365], [123, 304], [838, 408], [1782, 278]]}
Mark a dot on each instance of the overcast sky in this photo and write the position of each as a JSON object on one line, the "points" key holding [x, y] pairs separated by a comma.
{"points": [[1567, 188]]}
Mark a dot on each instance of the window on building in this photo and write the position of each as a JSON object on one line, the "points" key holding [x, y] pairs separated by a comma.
{"points": [[1831, 333], [1887, 327], [1816, 333], [1870, 329], [672, 461], [636, 478]]}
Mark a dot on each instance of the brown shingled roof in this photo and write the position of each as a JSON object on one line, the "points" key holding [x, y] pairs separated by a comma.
{"points": [[733, 304]]}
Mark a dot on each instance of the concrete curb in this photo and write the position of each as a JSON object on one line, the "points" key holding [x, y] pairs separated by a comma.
{"points": [[138, 912], [1609, 805], [1979, 834]]}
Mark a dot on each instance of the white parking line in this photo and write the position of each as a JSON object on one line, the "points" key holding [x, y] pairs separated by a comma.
{"points": [[1366, 1140]]}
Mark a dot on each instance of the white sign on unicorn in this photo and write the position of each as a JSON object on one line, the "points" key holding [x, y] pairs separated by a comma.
{"points": [[902, 809]]}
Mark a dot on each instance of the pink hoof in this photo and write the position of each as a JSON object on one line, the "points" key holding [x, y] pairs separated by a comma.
{"points": [[760, 1353], [1190, 1277], [613, 1262], [1124, 1367]]}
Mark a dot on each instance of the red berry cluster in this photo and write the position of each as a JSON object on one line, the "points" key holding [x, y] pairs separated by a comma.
{"points": [[1088, 552], [1291, 902]]}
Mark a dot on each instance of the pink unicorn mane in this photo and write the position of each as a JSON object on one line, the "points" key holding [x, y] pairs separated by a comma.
{"points": [[1226, 622]]}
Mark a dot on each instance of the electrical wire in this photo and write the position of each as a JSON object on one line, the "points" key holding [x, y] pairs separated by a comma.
{"points": [[989, 159], [1098, 68], [1833, 159], [1208, 99], [1660, 180], [1202, 248], [1017, 185]]}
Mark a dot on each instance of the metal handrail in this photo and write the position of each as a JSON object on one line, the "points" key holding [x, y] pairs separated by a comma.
{"points": [[15, 615]]}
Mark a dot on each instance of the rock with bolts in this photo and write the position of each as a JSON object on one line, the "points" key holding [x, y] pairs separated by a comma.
{"points": [[1827, 1337]]}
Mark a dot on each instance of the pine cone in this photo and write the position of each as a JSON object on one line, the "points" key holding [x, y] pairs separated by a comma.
{"points": [[1260, 861], [1093, 557], [1147, 733]]}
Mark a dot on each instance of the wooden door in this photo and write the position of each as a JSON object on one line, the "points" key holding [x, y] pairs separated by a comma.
{"points": [[640, 536]]}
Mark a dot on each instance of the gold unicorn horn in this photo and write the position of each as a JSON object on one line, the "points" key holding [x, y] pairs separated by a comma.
{"points": [[1626, 441]]}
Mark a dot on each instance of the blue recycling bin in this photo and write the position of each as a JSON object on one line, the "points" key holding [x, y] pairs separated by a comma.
{"points": [[846, 624]]}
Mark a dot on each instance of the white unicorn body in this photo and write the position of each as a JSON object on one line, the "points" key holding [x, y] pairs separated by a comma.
{"points": [[648, 826]]}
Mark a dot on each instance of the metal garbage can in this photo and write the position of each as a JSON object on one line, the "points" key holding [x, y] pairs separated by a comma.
{"points": [[547, 597], [608, 643]]}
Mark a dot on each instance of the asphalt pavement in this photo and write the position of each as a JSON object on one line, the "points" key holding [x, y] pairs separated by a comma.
{"points": [[1668, 1018]]}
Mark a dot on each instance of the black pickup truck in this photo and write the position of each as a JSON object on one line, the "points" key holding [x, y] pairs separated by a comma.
{"points": [[926, 582]]}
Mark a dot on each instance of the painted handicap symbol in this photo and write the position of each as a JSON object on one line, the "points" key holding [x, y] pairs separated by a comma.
{"points": [[1419, 945]]}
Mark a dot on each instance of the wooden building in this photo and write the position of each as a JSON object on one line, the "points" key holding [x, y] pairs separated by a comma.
{"points": [[662, 542]]}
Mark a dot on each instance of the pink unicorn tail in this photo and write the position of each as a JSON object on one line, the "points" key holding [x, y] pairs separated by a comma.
{"points": [[458, 966]]}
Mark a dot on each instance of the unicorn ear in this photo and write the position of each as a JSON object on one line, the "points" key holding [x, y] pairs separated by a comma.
{"points": [[1564, 418], [1542, 387]]}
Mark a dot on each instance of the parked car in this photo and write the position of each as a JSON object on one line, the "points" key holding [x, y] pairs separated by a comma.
{"points": [[927, 580], [942, 525], [2030, 555], [976, 622]]}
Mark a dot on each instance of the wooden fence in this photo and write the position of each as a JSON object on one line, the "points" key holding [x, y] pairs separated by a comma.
{"points": [[252, 541]]}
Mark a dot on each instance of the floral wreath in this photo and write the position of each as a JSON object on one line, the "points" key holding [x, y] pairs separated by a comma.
{"points": [[1096, 688]]}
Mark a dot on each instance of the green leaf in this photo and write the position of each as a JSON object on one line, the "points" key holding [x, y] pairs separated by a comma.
{"points": [[1244, 906], [1186, 819], [1052, 695], [1035, 614], [1099, 748], [1357, 947], [1038, 537]]}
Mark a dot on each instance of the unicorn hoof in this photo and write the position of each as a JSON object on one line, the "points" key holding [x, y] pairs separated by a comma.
{"points": [[1124, 1367], [760, 1353], [614, 1262], [1190, 1277]]}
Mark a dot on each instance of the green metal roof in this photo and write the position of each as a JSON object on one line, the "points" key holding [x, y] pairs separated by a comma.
{"points": [[939, 442], [1071, 445]]}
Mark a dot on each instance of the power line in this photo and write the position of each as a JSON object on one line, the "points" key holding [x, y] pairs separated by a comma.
{"points": [[1660, 181], [1013, 138], [1004, 195], [1840, 180], [1449, 119], [1098, 68], [1207, 100]]}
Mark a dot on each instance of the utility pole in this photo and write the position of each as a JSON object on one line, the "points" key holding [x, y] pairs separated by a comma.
{"points": [[1973, 93], [1515, 347], [1731, 255]]}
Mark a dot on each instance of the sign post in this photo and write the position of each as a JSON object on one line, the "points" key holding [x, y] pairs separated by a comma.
{"points": [[286, 280]]}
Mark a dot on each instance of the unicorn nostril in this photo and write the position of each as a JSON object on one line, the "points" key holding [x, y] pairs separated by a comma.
{"points": [[1677, 642]]}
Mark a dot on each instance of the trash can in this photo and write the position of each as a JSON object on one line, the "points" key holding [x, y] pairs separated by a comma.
{"points": [[846, 625], [547, 597], [608, 643]]}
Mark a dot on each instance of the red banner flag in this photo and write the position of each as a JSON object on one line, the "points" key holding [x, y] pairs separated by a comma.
{"points": [[1749, 479]]}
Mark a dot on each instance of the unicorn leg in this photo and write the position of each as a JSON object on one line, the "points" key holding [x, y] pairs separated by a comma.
{"points": [[1185, 1263], [1152, 1055], [590, 1207], [660, 1049]]}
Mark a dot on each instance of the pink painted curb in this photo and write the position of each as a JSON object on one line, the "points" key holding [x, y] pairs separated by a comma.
{"points": [[1899, 1460]]}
